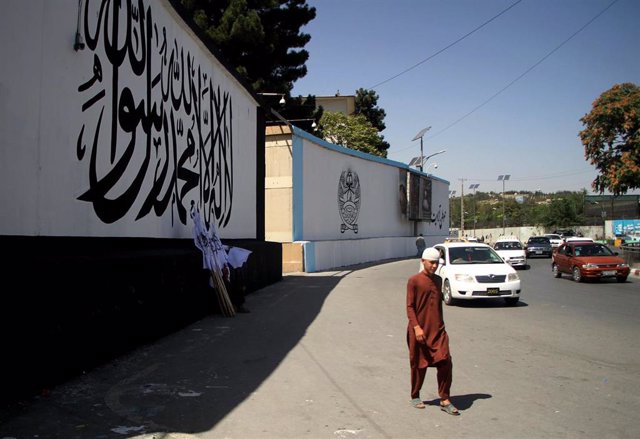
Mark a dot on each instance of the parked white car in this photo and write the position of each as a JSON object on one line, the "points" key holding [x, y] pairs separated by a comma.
{"points": [[556, 240], [472, 271], [512, 251]]}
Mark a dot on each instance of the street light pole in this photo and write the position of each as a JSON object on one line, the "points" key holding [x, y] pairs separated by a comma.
{"points": [[474, 187], [462, 207], [419, 136], [451, 195], [503, 178]]}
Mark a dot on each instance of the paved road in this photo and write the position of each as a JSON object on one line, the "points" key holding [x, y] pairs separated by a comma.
{"points": [[323, 356]]}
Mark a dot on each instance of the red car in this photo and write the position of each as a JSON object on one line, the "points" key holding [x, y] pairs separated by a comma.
{"points": [[588, 260]]}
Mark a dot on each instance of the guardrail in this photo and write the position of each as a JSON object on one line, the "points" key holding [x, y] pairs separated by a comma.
{"points": [[631, 253]]}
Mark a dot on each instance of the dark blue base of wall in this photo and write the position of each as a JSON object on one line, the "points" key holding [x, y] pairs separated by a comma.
{"points": [[70, 304]]}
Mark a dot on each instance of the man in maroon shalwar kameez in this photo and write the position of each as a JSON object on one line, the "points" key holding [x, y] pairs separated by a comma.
{"points": [[426, 335]]}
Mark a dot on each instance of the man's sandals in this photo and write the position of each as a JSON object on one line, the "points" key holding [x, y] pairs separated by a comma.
{"points": [[449, 408], [417, 403]]}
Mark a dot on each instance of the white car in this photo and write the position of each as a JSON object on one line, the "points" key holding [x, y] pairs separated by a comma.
{"points": [[512, 251], [472, 271], [577, 239], [555, 240]]}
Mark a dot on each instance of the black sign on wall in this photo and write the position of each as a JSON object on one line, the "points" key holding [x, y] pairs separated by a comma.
{"points": [[420, 197]]}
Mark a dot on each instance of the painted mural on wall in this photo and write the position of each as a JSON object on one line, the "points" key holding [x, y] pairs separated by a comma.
{"points": [[402, 190], [349, 200], [147, 92], [425, 199]]}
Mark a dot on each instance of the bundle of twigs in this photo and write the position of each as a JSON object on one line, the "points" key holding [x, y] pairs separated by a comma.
{"points": [[224, 301]]}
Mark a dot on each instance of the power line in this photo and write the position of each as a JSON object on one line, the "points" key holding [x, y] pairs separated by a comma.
{"points": [[540, 61], [445, 48], [437, 133]]}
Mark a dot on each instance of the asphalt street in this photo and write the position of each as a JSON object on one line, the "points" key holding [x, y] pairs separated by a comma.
{"points": [[324, 355]]}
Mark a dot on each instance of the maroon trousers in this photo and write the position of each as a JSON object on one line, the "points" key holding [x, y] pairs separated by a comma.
{"points": [[444, 376]]}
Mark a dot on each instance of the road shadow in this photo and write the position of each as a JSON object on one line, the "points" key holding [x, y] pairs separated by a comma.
{"points": [[185, 382], [488, 303]]}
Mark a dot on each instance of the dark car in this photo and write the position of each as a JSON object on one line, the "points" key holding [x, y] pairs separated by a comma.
{"points": [[565, 233], [588, 260], [539, 246]]}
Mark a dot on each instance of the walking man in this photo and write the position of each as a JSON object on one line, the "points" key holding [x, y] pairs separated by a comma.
{"points": [[426, 335], [420, 245]]}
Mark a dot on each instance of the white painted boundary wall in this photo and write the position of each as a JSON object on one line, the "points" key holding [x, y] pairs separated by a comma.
{"points": [[119, 138], [320, 170]]}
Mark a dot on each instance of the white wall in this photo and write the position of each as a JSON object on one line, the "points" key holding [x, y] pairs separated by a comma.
{"points": [[383, 230], [110, 141]]}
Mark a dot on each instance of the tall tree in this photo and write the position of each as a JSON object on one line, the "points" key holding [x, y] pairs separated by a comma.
{"points": [[354, 132], [367, 105], [260, 38], [611, 139]]}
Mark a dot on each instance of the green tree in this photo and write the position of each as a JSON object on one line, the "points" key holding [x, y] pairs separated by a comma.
{"points": [[354, 132], [367, 105], [260, 38], [611, 139]]}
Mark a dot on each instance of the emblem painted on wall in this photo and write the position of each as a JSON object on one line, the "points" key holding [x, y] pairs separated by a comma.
{"points": [[349, 200]]}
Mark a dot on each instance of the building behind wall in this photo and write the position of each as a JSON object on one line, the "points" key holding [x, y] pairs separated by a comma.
{"points": [[108, 145], [332, 206]]}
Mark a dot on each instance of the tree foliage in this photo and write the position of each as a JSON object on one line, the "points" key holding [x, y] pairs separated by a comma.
{"points": [[260, 38], [354, 132], [367, 105], [611, 139]]}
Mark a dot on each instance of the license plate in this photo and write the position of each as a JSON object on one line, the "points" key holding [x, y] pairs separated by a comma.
{"points": [[609, 273], [493, 291], [538, 252]]}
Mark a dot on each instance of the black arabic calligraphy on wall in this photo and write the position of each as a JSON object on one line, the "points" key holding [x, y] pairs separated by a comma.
{"points": [[162, 129]]}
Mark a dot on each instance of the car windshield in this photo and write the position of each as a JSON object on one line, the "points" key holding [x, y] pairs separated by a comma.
{"points": [[508, 245], [551, 236], [592, 250], [539, 240], [473, 255]]}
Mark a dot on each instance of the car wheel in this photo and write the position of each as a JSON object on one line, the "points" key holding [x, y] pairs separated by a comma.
{"points": [[577, 276], [556, 270], [511, 301], [621, 279], [446, 292]]}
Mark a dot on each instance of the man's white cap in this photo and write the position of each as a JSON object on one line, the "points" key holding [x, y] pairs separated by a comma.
{"points": [[431, 254]]}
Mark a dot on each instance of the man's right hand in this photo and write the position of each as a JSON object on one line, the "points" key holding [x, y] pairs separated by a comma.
{"points": [[419, 334]]}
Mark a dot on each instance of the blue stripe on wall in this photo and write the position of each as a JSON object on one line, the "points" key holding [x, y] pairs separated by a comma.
{"points": [[309, 250], [298, 161]]}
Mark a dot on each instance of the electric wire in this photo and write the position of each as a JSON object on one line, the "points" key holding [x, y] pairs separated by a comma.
{"points": [[445, 48], [437, 133], [540, 61]]}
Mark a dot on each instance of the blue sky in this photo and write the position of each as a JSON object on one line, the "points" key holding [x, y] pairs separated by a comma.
{"points": [[529, 130]]}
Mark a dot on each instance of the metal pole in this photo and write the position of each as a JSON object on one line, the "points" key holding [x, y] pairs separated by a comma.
{"points": [[475, 220], [503, 217], [462, 208], [421, 155]]}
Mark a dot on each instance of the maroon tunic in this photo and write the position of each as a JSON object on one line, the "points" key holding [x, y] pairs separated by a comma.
{"points": [[424, 308]]}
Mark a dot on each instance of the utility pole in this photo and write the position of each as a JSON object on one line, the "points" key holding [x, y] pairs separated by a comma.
{"points": [[462, 180]]}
